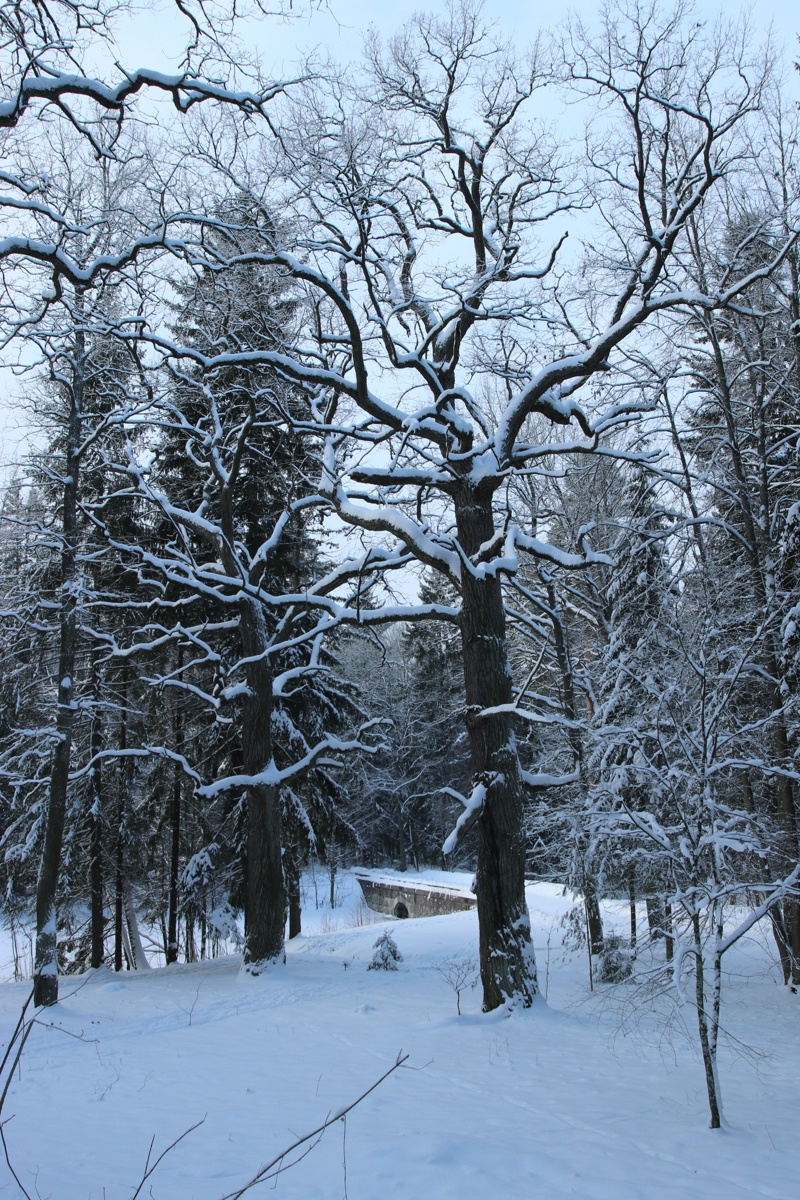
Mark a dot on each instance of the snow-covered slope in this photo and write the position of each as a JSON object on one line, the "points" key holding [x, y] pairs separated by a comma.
{"points": [[587, 1096]]}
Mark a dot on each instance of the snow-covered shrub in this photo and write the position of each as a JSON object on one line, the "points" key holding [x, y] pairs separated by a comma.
{"points": [[615, 965], [386, 955], [573, 922], [223, 924]]}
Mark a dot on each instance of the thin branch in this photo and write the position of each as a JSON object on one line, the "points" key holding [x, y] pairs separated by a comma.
{"points": [[274, 1168]]}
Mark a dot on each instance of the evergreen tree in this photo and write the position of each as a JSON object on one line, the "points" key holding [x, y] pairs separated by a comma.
{"points": [[227, 485]]}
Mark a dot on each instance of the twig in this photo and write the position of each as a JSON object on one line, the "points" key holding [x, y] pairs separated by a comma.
{"points": [[75, 990], [547, 963], [148, 1169], [458, 972], [276, 1165], [588, 944], [79, 1037], [17, 1057], [15, 1035], [24, 1030], [20, 1184], [190, 1011], [344, 1154]]}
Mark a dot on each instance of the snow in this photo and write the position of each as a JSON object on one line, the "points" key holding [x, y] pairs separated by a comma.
{"points": [[589, 1096], [455, 883], [473, 805]]}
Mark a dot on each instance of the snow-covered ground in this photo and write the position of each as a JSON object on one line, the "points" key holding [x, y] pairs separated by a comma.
{"points": [[590, 1096]]}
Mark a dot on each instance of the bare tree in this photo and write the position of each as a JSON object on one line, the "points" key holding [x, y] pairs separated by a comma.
{"points": [[422, 226]]}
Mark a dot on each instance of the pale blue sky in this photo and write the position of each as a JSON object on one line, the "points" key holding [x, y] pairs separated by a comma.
{"points": [[155, 37], [339, 30]]}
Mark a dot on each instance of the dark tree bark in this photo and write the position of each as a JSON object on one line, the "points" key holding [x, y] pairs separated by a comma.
{"points": [[593, 918], [119, 903], [174, 867], [781, 941], [507, 963], [266, 898], [332, 865], [655, 916], [191, 950], [175, 824], [402, 852], [45, 980], [791, 906], [96, 832], [659, 919], [265, 893], [291, 872], [119, 883]]}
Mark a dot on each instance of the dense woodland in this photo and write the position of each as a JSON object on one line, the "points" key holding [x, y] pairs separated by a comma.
{"points": [[414, 479]]}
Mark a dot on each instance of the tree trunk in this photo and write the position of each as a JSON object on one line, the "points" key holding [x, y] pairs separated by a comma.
{"points": [[781, 941], [190, 954], [119, 931], [655, 916], [174, 868], [402, 853], [119, 886], [96, 831], [175, 822], [125, 940], [594, 920], [291, 873], [265, 894], [707, 1040], [265, 919], [632, 903], [669, 940], [791, 906], [507, 963], [45, 980], [134, 946]]}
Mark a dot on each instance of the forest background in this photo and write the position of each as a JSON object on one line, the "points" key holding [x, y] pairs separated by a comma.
{"points": [[414, 478]]}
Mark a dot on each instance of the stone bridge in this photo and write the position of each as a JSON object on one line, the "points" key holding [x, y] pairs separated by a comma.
{"points": [[395, 896]]}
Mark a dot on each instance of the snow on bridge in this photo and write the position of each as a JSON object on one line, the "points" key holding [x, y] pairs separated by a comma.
{"points": [[398, 894]]}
